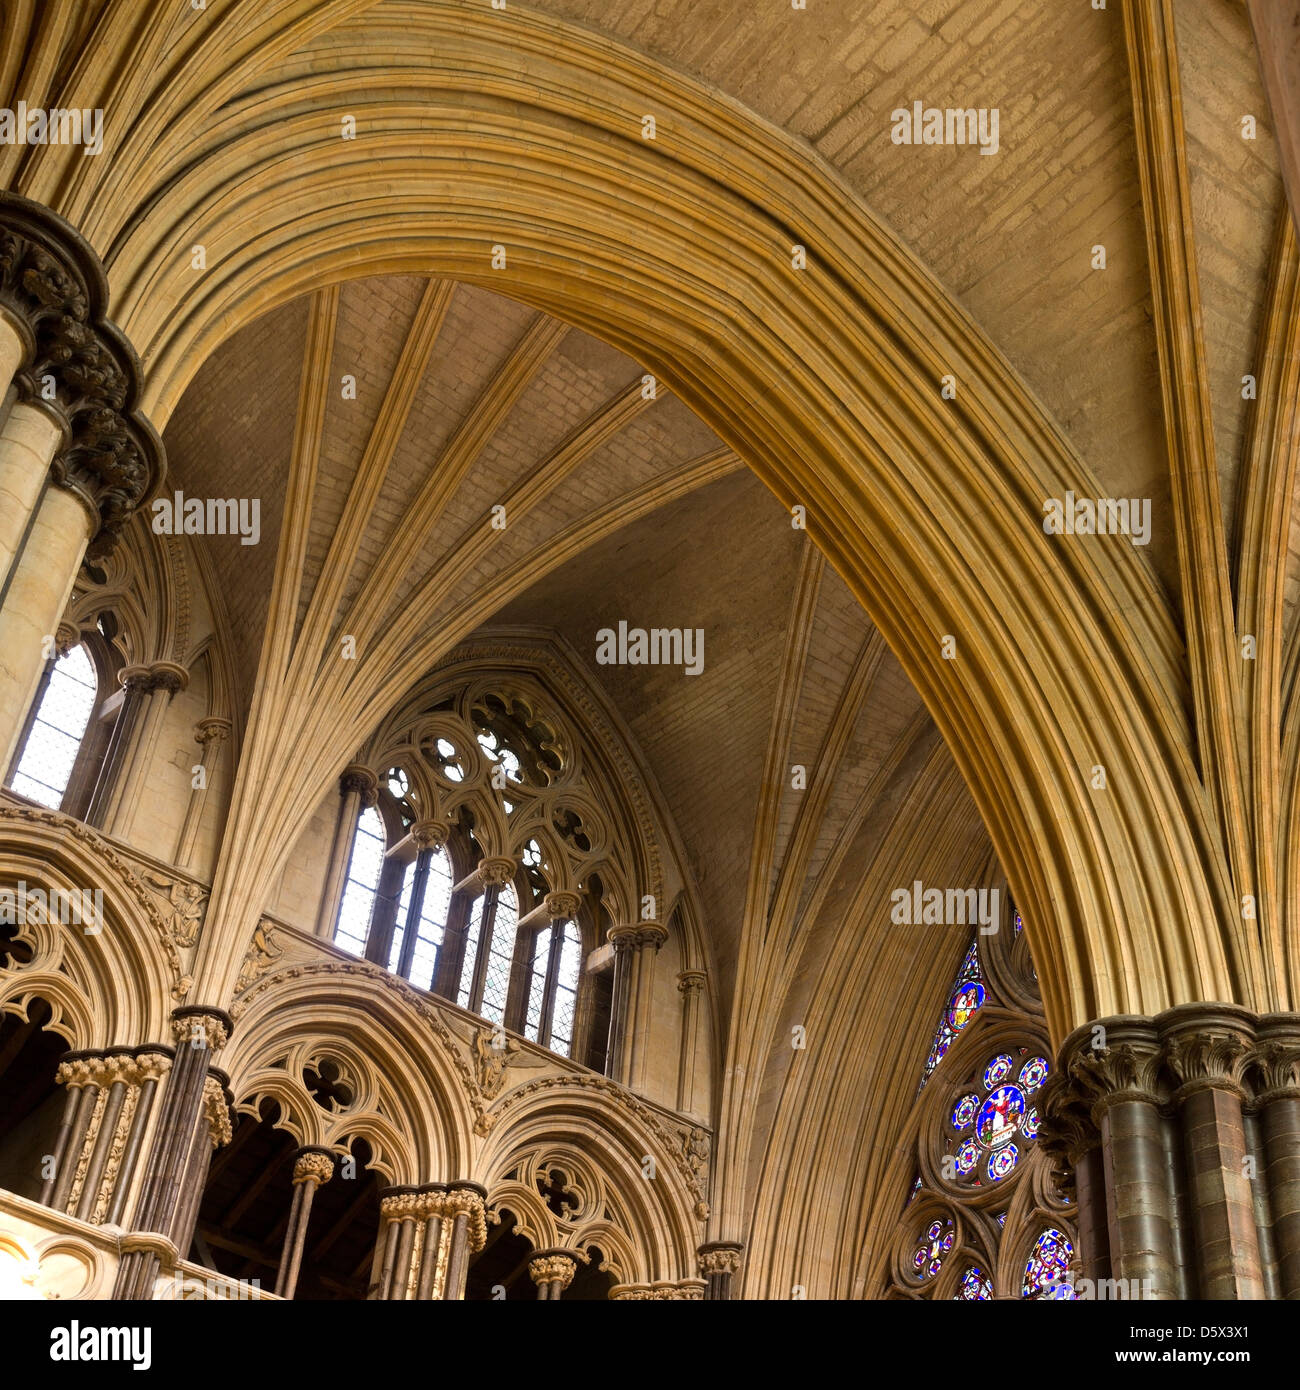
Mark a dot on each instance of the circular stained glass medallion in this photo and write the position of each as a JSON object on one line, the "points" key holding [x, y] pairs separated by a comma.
{"points": [[963, 1113], [998, 1070], [965, 1002], [1002, 1161], [1034, 1073], [999, 1116]]}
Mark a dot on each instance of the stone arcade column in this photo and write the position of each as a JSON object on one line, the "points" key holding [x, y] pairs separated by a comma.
{"points": [[690, 984], [190, 1124], [208, 734], [76, 457], [358, 787], [635, 947], [110, 1098], [552, 1271], [312, 1166], [683, 1291], [1185, 1134], [426, 1236], [149, 690], [719, 1264]]}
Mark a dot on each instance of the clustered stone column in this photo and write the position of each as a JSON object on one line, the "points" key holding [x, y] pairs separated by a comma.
{"points": [[1184, 1134], [312, 1166], [635, 947], [77, 459], [552, 1271], [426, 1237], [109, 1102], [148, 691], [193, 1119], [690, 984], [209, 733], [719, 1264], [358, 787]]}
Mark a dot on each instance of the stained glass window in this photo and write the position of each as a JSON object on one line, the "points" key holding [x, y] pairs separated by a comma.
{"points": [[986, 1120], [1047, 1271], [45, 767], [364, 867], [964, 1000], [553, 986], [979, 1128], [935, 1243], [974, 1287]]}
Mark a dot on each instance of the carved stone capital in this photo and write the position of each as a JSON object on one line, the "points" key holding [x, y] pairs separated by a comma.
{"points": [[495, 870], [214, 1026], [469, 1198], [1275, 1062], [1111, 1062], [77, 367], [691, 982], [638, 934], [359, 779], [553, 1267], [720, 1257], [212, 730], [169, 676], [314, 1165], [430, 834], [562, 907], [66, 636], [1208, 1047]]}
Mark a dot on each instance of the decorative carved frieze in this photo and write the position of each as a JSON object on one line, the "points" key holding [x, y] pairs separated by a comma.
{"points": [[77, 366]]}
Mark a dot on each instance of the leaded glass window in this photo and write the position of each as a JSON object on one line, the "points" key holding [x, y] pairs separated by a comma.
{"points": [[48, 756], [365, 865]]}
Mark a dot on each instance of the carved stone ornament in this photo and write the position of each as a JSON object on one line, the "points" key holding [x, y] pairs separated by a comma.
{"points": [[493, 1054], [77, 366], [553, 1269], [562, 907], [212, 1026], [720, 1257], [263, 952], [187, 902], [314, 1166], [496, 870], [359, 779]]}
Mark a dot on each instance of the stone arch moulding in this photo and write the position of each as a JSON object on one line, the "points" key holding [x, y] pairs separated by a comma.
{"points": [[411, 1080], [113, 987], [825, 381], [661, 1218]]}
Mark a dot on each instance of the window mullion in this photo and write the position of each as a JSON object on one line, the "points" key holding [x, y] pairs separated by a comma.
{"points": [[486, 926], [411, 928]]}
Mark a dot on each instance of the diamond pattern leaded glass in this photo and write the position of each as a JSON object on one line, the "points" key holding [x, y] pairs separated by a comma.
{"points": [[362, 882], [48, 755]]}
